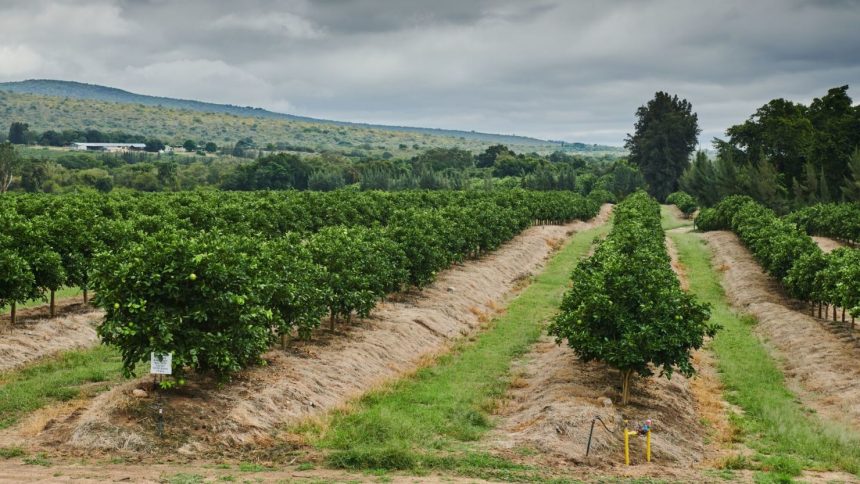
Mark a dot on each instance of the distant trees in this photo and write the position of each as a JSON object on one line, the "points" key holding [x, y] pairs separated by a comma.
{"points": [[18, 133], [190, 145], [34, 175], [488, 158], [210, 147], [241, 148], [154, 145], [10, 163], [786, 155], [441, 158], [666, 133], [274, 172]]}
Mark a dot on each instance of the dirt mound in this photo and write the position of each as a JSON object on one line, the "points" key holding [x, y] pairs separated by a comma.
{"points": [[555, 396], [36, 336], [827, 244], [311, 378], [823, 369]]}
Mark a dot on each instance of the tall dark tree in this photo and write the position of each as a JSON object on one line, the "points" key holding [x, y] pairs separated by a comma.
{"points": [[666, 134], [488, 158], [154, 145], [837, 133], [18, 133]]}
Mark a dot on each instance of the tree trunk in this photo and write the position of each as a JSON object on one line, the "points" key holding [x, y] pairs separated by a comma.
{"points": [[843, 315], [12, 316], [625, 386], [85, 295], [819, 310], [53, 305], [331, 322]]}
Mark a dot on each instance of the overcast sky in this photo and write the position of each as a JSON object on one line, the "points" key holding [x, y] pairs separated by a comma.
{"points": [[572, 70]]}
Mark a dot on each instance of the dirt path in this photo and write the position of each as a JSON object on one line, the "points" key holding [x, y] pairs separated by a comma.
{"points": [[15, 471], [36, 335], [310, 378], [554, 397], [820, 367], [827, 244]]}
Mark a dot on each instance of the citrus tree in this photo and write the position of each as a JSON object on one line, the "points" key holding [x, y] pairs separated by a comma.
{"points": [[298, 292], [205, 298], [625, 306], [362, 265]]}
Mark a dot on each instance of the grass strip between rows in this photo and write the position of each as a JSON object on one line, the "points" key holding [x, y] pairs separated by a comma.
{"points": [[69, 375], [427, 421], [788, 436]]}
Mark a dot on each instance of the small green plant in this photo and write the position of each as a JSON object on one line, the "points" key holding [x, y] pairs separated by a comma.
{"points": [[253, 467], [10, 452], [40, 459]]}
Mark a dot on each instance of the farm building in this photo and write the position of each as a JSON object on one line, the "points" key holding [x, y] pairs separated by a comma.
{"points": [[110, 147]]}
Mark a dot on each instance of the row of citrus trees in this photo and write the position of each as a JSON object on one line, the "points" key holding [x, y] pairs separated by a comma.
{"points": [[789, 254], [625, 306], [839, 221], [685, 203], [216, 277]]}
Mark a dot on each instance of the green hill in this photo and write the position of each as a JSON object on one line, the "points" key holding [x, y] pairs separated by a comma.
{"points": [[58, 105]]}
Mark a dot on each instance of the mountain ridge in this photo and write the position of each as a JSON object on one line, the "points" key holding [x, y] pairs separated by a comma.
{"points": [[80, 90]]}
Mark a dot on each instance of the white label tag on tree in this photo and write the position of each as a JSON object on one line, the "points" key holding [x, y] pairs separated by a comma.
{"points": [[161, 364]]}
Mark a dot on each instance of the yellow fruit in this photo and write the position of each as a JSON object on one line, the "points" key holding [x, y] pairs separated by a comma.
{"points": [[193, 277]]}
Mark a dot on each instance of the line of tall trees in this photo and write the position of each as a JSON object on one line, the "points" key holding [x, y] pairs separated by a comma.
{"points": [[786, 155]]}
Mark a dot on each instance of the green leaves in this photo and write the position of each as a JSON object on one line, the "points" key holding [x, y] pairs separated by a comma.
{"points": [[215, 277], [220, 322], [625, 306], [791, 255], [684, 202]]}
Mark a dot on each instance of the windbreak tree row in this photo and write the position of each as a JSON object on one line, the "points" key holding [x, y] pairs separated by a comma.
{"points": [[790, 255], [625, 306], [174, 277]]}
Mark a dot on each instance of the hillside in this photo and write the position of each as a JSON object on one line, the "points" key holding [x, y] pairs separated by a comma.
{"points": [[51, 104]]}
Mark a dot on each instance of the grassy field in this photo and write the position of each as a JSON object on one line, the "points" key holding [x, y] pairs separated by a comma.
{"points": [[430, 420], [785, 435]]}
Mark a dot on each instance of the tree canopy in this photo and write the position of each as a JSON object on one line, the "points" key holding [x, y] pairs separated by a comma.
{"points": [[666, 133]]}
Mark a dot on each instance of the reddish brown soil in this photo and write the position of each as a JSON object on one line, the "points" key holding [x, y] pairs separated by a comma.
{"points": [[822, 367]]}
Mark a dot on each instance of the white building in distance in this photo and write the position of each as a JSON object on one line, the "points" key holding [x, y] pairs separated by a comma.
{"points": [[109, 147]]}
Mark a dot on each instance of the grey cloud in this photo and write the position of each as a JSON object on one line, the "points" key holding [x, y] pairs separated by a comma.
{"points": [[553, 69]]}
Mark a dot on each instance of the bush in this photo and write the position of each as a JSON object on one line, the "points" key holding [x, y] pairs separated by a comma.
{"points": [[684, 202]]}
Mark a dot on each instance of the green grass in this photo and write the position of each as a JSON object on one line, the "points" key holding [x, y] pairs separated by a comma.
{"points": [[61, 378], [63, 293], [429, 420], [786, 435], [670, 221]]}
